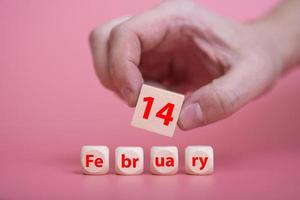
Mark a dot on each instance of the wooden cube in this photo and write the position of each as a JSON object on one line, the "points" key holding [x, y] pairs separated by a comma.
{"points": [[95, 159], [129, 160], [157, 110], [164, 160], [199, 160]]}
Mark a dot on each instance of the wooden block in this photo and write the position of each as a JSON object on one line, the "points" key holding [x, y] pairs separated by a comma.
{"points": [[129, 160], [199, 160], [157, 110], [164, 160], [95, 159]]}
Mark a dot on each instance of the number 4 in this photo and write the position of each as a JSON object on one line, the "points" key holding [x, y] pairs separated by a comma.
{"points": [[164, 113], [169, 107]]}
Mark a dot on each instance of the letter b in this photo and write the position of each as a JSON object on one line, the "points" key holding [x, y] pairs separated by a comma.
{"points": [[126, 162]]}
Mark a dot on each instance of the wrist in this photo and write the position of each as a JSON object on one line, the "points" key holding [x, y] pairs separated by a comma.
{"points": [[276, 46], [264, 46], [283, 40]]}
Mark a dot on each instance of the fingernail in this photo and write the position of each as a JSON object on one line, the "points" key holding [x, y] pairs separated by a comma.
{"points": [[127, 93], [191, 116]]}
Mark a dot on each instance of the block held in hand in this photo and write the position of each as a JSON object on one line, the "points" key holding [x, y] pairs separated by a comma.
{"points": [[157, 110]]}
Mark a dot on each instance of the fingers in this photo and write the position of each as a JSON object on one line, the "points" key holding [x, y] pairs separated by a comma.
{"points": [[99, 45], [220, 98], [117, 48], [123, 60], [126, 43]]}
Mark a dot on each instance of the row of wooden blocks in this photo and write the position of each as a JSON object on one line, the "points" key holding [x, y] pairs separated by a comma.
{"points": [[163, 160]]}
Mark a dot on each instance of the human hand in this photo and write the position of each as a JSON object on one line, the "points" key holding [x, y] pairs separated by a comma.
{"points": [[220, 64]]}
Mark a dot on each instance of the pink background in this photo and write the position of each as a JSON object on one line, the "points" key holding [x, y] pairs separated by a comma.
{"points": [[51, 104]]}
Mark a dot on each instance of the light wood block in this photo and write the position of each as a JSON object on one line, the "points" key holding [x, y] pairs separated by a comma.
{"points": [[95, 159], [199, 160], [129, 160], [164, 160], [157, 110]]}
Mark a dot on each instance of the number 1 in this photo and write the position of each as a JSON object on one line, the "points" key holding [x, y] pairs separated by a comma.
{"points": [[149, 101]]}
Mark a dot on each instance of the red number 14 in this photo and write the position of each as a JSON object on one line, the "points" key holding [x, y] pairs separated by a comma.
{"points": [[164, 113]]}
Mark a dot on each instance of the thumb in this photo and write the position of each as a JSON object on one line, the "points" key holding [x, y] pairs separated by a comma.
{"points": [[219, 99]]}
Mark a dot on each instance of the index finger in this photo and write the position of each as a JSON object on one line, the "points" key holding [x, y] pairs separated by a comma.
{"points": [[127, 42]]}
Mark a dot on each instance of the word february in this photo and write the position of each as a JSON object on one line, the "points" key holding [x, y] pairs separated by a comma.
{"points": [[163, 160]]}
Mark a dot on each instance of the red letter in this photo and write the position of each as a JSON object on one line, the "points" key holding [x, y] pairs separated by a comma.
{"points": [[203, 162], [161, 164], [170, 162], [168, 116], [194, 159], [98, 162], [88, 160], [149, 101], [134, 160], [124, 161]]}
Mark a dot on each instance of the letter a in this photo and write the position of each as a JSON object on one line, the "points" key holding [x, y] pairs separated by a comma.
{"points": [[170, 162]]}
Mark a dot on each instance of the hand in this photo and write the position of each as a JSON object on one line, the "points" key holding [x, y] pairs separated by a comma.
{"points": [[219, 64]]}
